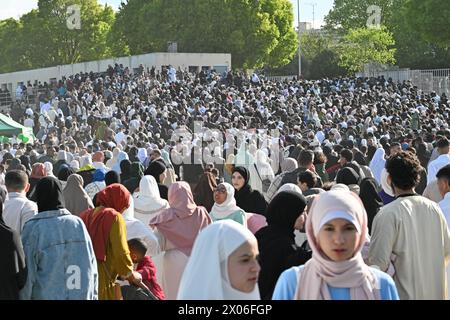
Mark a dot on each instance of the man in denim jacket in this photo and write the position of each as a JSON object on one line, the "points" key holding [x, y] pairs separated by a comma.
{"points": [[59, 254]]}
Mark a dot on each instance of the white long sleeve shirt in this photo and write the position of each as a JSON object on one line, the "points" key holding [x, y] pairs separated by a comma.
{"points": [[435, 165], [18, 210]]}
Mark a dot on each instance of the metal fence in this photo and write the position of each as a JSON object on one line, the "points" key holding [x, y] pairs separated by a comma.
{"points": [[437, 80]]}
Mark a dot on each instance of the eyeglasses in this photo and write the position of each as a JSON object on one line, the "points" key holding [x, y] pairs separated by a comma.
{"points": [[220, 190]]}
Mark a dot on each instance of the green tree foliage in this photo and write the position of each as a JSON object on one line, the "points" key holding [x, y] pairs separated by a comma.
{"points": [[420, 28], [431, 18], [255, 32], [365, 45], [42, 38]]}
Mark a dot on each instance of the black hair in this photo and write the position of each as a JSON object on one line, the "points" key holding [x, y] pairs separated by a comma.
{"points": [[309, 177], [138, 245], [444, 173], [404, 168], [347, 155]]}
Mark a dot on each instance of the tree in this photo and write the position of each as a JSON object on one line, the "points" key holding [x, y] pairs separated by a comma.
{"points": [[10, 54], [255, 32], [431, 19], [350, 14], [363, 45]]}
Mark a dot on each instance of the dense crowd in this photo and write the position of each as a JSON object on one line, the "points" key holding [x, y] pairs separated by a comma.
{"points": [[163, 185]]}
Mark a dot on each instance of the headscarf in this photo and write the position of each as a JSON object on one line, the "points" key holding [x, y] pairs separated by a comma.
{"points": [[75, 198], [229, 206], [49, 194], [206, 274], [142, 155], [290, 187], [114, 198], [155, 169], [64, 173], [25, 160], [289, 165], [377, 164], [125, 169], [75, 165], [384, 184], [347, 176], [121, 156], [320, 271], [284, 209], [148, 199], [111, 177], [204, 190], [99, 175], [38, 171], [244, 173], [181, 223], [111, 162], [370, 198]]}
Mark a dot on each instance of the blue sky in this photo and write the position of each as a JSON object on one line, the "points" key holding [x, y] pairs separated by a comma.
{"points": [[15, 8]]}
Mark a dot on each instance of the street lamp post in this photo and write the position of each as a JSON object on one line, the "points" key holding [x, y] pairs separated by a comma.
{"points": [[299, 41]]}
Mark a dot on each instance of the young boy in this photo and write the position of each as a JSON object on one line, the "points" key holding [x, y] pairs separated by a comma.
{"points": [[145, 266]]}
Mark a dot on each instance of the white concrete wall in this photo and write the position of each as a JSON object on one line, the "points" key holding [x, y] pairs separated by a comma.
{"points": [[159, 59]]}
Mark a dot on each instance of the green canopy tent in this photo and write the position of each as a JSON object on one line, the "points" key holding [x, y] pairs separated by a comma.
{"points": [[10, 128]]}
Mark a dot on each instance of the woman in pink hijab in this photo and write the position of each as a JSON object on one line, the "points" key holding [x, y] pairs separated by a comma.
{"points": [[177, 228], [336, 228]]}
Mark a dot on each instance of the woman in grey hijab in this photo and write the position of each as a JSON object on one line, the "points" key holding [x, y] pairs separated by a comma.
{"points": [[75, 197]]}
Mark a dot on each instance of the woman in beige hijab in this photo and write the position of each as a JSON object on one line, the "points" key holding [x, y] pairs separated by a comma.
{"points": [[75, 198]]}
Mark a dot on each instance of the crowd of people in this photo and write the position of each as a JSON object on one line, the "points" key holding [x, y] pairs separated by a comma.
{"points": [[177, 185]]}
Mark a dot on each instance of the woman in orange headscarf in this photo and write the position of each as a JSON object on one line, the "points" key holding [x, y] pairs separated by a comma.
{"points": [[107, 229]]}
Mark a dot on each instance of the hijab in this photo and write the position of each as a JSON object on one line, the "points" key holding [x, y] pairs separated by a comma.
{"points": [[181, 223], [49, 194], [49, 168], [290, 187], [112, 177], [369, 196], [204, 190], [148, 200], [377, 164], [347, 176], [229, 206], [38, 171], [206, 274], [155, 169], [117, 167], [99, 175], [289, 165], [76, 199], [114, 199], [284, 209], [320, 271]]}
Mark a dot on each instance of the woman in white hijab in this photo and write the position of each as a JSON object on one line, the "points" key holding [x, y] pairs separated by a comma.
{"points": [[377, 164], [261, 173], [222, 265], [147, 201], [111, 162], [49, 168], [225, 205]]}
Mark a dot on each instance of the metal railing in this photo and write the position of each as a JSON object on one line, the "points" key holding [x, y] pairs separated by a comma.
{"points": [[428, 80], [280, 78]]}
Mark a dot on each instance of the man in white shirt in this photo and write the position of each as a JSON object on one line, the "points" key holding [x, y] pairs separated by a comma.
{"points": [[18, 209], [443, 181], [443, 159]]}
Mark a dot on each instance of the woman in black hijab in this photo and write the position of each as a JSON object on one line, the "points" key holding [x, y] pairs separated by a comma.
{"points": [[111, 177], [157, 169], [276, 242], [133, 154], [247, 199], [49, 194], [125, 169], [347, 176], [25, 160], [136, 173], [369, 196]]}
